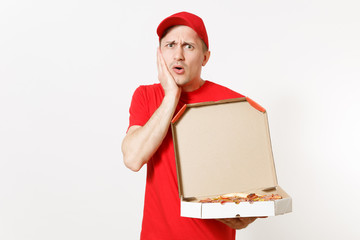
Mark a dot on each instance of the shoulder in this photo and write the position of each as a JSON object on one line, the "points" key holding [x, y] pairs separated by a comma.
{"points": [[149, 88], [222, 90], [149, 91], [150, 96]]}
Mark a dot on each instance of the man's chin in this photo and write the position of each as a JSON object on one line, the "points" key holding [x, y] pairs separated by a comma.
{"points": [[180, 82]]}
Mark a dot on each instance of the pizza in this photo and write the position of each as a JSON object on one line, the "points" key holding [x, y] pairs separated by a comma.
{"points": [[241, 197]]}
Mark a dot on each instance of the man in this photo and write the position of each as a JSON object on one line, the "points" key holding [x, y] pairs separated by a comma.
{"points": [[182, 53]]}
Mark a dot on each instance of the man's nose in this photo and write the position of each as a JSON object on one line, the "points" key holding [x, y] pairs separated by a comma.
{"points": [[179, 54]]}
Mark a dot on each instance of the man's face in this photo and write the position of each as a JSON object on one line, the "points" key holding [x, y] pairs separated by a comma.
{"points": [[183, 53]]}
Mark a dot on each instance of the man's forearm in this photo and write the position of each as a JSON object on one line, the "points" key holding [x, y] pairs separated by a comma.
{"points": [[141, 143]]}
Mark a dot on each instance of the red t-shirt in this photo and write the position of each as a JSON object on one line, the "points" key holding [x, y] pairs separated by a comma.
{"points": [[161, 219]]}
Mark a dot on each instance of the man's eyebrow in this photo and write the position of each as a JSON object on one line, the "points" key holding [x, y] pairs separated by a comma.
{"points": [[184, 43], [189, 43]]}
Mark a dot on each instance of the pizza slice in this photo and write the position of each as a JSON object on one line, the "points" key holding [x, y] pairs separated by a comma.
{"points": [[241, 197]]}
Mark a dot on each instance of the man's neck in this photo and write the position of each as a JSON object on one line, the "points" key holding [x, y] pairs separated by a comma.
{"points": [[194, 86]]}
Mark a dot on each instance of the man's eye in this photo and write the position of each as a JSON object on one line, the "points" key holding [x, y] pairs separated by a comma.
{"points": [[188, 46], [170, 45]]}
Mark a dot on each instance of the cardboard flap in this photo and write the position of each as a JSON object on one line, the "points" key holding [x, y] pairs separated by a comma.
{"points": [[178, 115], [222, 147], [255, 105]]}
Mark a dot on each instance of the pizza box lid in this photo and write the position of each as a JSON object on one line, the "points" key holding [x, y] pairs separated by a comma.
{"points": [[222, 147]]}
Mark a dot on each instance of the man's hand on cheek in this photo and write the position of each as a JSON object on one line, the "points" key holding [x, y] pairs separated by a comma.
{"points": [[166, 79]]}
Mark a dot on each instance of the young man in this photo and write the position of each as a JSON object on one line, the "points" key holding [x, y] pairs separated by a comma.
{"points": [[182, 53]]}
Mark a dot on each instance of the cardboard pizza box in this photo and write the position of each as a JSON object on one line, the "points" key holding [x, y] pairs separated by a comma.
{"points": [[224, 147]]}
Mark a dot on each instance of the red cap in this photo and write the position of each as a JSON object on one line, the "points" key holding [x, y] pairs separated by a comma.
{"points": [[187, 19]]}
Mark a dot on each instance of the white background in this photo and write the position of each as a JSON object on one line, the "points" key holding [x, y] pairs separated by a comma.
{"points": [[67, 73]]}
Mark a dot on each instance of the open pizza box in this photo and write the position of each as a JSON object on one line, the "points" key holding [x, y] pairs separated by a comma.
{"points": [[224, 147]]}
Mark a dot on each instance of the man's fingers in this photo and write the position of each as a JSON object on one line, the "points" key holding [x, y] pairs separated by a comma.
{"points": [[239, 222], [164, 73], [252, 219], [159, 61], [163, 65], [166, 79]]}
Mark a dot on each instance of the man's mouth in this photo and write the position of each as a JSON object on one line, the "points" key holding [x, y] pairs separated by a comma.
{"points": [[178, 69]]}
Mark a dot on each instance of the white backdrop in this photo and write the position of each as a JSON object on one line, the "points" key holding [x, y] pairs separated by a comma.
{"points": [[67, 73]]}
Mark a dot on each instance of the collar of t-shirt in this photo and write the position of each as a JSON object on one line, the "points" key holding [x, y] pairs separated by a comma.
{"points": [[194, 96]]}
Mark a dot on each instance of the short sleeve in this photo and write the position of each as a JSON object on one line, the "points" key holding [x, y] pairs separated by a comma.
{"points": [[139, 113]]}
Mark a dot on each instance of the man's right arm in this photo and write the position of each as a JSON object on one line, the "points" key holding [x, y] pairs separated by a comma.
{"points": [[141, 142]]}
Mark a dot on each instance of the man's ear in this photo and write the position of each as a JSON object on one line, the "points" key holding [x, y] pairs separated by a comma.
{"points": [[206, 58]]}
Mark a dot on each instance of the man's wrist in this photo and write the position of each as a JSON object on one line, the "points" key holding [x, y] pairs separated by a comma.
{"points": [[172, 96]]}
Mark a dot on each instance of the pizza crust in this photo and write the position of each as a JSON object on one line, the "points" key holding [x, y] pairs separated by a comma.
{"points": [[229, 195]]}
